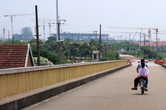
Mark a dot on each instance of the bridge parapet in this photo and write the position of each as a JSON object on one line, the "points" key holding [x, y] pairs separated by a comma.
{"points": [[20, 80]]}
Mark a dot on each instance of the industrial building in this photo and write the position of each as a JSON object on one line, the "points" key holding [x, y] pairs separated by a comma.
{"points": [[83, 37], [26, 35]]}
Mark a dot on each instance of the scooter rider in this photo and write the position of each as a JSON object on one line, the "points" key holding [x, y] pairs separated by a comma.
{"points": [[139, 67], [142, 74]]}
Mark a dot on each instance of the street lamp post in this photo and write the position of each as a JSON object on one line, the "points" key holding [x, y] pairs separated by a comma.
{"points": [[57, 18]]}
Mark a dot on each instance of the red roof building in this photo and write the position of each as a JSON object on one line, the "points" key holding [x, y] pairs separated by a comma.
{"points": [[14, 56], [152, 44]]}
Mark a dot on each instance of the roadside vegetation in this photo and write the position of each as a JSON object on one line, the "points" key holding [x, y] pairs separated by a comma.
{"points": [[147, 52], [72, 52]]}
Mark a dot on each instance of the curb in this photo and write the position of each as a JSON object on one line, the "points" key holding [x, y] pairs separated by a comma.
{"points": [[164, 66]]}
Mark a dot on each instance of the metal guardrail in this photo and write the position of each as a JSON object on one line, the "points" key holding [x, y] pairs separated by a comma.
{"points": [[159, 62], [162, 63], [20, 80]]}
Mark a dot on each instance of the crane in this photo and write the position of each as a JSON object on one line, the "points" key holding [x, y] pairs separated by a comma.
{"points": [[128, 34], [11, 17], [138, 28], [49, 21]]}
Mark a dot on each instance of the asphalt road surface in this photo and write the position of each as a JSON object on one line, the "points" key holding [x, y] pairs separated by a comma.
{"points": [[112, 92]]}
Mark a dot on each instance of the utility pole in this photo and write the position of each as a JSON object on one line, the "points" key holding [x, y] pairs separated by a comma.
{"points": [[37, 37], [59, 38], [49, 22], [100, 43], [59, 31], [59, 43], [59, 23]]}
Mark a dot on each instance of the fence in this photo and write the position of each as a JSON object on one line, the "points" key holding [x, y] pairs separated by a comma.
{"points": [[19, 80]]}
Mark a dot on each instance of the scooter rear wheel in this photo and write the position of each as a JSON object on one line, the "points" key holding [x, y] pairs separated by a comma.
{"points": [[142, 90]]}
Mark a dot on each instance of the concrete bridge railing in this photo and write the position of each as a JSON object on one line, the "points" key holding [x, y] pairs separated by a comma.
{"points": [[20, 80]]}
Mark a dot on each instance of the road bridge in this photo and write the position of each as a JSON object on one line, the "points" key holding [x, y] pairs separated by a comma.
{"points": [[22, 87], [112, 92]]}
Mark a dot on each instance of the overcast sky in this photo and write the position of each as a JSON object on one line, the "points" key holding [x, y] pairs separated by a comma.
{"points": [[87, 15]]}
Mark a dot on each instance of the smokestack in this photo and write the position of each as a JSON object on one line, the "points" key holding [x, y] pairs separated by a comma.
{"points": [[149, 34], [3, 39]]}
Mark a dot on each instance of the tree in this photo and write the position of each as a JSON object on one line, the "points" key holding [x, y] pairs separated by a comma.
{"points": [[33, 43], [84, 49], [52, 38], [17, 42], [46, 54], [51, 46], [93, 46], [67, 49], [68, 40], [148, 53], [74, 50], [92, 42]]}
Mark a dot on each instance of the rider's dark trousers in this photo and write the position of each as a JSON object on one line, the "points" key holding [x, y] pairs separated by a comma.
{"points": [[136, 80]]}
